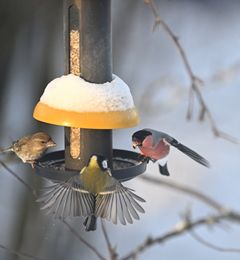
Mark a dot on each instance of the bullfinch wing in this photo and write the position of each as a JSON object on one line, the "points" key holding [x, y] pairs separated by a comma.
{"points": [[63, 199], [118, 202], [189, 152]]}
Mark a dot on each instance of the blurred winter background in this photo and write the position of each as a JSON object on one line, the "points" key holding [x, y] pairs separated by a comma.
{"points": [[31, 54]]}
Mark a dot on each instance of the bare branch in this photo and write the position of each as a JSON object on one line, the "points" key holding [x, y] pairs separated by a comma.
{"points": [[187, 224], [33, 191], [215, 130], [181, 228], [195, 82], [9, 250], [211, 245], [159, 21], [112, 252], [27, 186], [232, 215], [178, 187], [190, 104], [81, 239]]}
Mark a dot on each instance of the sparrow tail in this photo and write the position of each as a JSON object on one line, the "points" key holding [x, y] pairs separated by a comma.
{"points": [[6, 150]]}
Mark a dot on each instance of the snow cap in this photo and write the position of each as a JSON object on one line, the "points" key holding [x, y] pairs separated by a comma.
{"points": [[71, 101], [70, 92]]}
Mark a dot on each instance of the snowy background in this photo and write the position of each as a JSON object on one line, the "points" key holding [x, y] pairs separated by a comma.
{"points": [[31, 55]]}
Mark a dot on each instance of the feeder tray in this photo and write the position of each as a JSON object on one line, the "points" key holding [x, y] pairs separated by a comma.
{"points": [[126, 165]]}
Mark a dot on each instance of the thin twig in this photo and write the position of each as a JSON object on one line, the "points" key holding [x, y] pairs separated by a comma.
{"points": [[178, 187], [195, 82], [20, 254], [232, 215], [190, 104], [187, 224], [159, 21], [112, 252], [183, 227], [29, 187], [33, 191], [211, 245], [92, 248]]}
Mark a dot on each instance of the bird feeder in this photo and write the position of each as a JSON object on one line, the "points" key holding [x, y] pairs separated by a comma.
{"points": [[89, 101]]}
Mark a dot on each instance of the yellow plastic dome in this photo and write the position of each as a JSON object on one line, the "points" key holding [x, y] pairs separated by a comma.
{"points": [[71, 101]]}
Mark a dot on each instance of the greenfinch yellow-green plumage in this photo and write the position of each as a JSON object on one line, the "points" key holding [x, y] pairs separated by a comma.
{"points": [[93, 193]]}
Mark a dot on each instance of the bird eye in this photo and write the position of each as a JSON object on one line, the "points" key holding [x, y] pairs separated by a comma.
{"points": [[104, 164]]}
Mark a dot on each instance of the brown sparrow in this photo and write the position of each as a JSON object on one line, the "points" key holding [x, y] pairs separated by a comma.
{"points": [[32, 147]]}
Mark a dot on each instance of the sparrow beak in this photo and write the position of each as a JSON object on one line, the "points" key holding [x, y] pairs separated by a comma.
{"points": [[50, 143]]}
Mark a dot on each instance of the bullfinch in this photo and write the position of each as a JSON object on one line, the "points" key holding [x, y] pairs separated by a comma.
{"points": [[155, 145]]}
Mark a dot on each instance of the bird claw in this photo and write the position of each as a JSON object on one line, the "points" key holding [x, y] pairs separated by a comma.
{"points": [[143, 158], [32, 162]]}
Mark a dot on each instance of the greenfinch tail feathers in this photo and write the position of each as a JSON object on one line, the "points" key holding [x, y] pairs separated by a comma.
{"points": [[90, 223]]}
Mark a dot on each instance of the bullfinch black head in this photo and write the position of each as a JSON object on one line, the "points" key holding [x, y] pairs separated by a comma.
{"points": [[138, 137]]}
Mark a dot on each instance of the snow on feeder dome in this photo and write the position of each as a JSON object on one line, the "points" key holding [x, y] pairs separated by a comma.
{"points": [[71, 101]]}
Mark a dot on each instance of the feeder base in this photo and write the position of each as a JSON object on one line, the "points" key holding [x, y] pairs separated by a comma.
{"points": [[126, 165]]}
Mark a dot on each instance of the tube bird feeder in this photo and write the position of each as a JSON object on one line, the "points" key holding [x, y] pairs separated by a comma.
{"points": [[89, 101]]}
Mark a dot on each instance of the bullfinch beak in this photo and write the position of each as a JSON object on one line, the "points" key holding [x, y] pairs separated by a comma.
{"points": [[134, 145]]}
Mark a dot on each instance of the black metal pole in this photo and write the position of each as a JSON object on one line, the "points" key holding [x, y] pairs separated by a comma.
{"points": [[95, 66], [95, 38]]}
